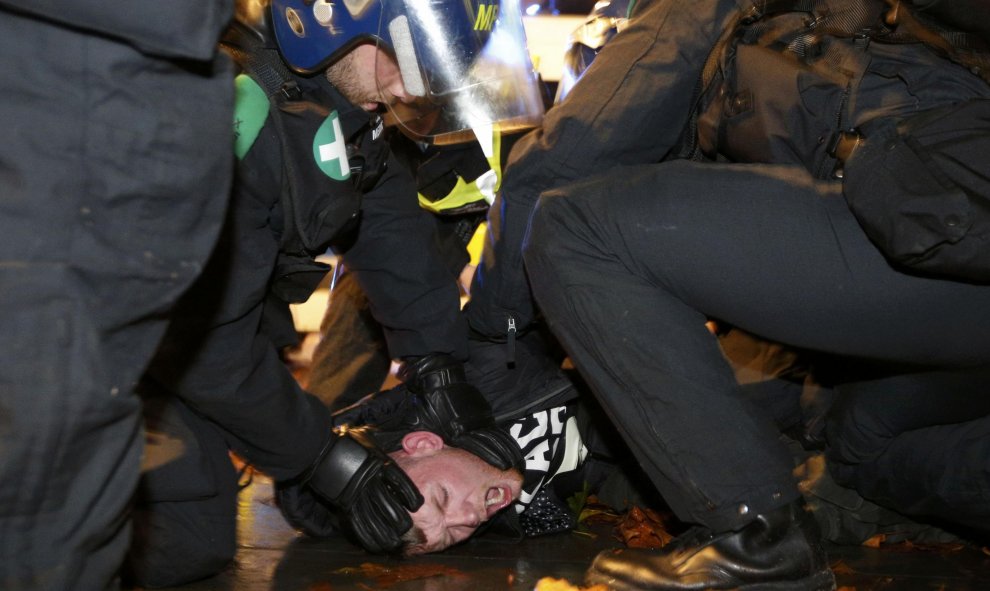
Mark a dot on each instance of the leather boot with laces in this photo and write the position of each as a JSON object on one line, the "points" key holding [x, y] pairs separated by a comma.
{"points": [[778, 551]]}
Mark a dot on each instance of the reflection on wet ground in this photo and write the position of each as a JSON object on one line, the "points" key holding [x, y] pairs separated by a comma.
{"points": [[272, 557]]}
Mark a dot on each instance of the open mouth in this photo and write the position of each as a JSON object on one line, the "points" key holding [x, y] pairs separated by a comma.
{"points": [[498, 498]]}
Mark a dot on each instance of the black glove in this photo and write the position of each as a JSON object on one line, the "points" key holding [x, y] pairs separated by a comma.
{"points": [[396, 411], [493, 445], [447, 404], [372, 495]]}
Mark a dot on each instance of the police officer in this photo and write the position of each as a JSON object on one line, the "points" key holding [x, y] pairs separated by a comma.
{"points": [[315, 169], [629, 264], [115, 174]]}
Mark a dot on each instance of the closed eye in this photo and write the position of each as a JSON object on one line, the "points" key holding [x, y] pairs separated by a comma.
{"points": [[444, 499], [444, 502]]}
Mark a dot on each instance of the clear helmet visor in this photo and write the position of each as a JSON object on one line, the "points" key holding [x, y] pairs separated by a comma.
{"points": [[464, 66]]}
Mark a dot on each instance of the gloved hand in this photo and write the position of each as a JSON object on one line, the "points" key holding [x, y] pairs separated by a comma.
{"points": [[447, 404], [493, 445], [372, 495], [397, 411]]}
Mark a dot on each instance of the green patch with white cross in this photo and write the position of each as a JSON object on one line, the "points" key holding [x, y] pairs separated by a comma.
{"points": [[250, 113], [330, 149]]}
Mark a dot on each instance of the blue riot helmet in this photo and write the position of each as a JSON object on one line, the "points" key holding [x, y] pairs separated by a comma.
{"points": [[465, 62], [603, 22]]}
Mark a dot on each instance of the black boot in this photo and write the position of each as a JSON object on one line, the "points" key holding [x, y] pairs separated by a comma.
{"points": [[779, 551]]}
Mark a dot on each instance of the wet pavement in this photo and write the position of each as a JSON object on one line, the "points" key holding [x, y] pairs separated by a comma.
{"points": [[273, 557]]}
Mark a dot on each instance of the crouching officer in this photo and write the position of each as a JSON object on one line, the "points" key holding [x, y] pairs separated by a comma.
{"points": [[314, 170], [783, 82]]}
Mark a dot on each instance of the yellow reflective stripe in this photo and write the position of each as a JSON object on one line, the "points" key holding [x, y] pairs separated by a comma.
{"points": [[477, 243], [464, 193]]}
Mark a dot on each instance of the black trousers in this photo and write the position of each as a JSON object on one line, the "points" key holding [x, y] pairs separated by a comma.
{"points": [[917, 443], [185, 510], [629, 265]]}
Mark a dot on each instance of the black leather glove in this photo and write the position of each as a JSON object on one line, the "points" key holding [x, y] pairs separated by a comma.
{"points": [[447, 404], [397, 411], [493, 445], [372, 495]]}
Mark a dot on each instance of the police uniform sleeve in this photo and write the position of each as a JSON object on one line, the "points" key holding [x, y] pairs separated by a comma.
{"points": [[218, 356], [396, 261]]}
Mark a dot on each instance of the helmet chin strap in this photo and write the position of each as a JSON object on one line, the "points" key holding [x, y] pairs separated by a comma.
{"points": [[405, 54]]}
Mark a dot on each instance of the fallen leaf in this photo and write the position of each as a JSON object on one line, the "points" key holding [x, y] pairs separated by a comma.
{"points": [[579, 500], [643, 528], [595, 512], [587, 534], [551, 584], [841, 568]]}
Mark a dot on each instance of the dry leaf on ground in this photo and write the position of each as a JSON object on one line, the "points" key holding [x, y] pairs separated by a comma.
{"points": [[551, 584], [643, 528]]}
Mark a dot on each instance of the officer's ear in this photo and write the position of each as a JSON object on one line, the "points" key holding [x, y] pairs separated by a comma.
{"points": [[422, 443]]}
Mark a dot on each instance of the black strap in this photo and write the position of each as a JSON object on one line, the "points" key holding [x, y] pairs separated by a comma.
{"points": [[888, 21], [258, 60]]}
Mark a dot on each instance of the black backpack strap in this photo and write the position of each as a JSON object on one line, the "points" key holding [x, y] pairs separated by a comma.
{"points": [[259, 60]]}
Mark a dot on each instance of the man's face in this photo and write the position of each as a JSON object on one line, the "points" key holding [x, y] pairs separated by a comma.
{"points": [[460, 490], [367, 77]]}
